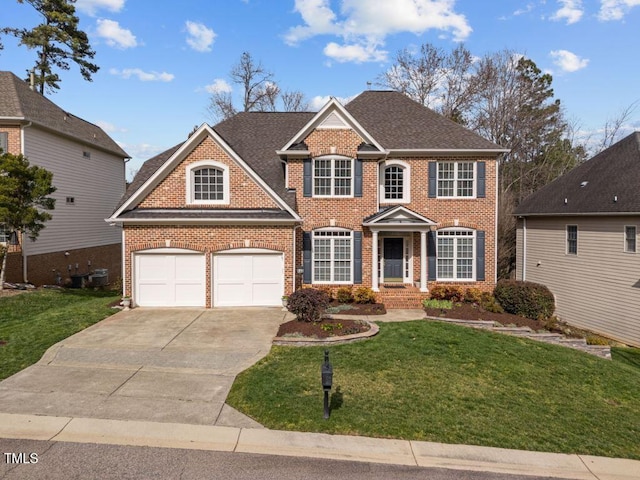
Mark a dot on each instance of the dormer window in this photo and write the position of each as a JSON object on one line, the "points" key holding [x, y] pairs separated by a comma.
{"points": [[394, 182], [208, 183]]}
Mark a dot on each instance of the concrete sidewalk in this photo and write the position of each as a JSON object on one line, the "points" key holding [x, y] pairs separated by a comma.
{"points": [[316, 445]]}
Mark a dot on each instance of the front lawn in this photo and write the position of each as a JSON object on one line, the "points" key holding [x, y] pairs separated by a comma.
{"points": [[31, 322], [444, 383]]}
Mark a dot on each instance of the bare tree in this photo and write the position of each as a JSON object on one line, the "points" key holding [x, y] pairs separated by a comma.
{"points": [[294, 101], [221, 106], [613, 127]]}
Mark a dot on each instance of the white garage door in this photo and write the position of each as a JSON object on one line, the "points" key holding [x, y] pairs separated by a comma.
{"points": [[170, 280], [248, 279]]}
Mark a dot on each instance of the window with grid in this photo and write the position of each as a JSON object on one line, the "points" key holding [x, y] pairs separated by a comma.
{"points": [[332, 177], [572, 239], [332, 257], [630, 238], [455, 254], [393, 183], [4, 234], [456, 179], [208, 184]]}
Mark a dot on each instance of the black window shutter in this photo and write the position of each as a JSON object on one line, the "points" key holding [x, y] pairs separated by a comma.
{"points": [[481, 180], [433, 179], [357, 257], [306, 257], [4, 142], [480, 263], [431, 255], [357, 187], [307, 177]]}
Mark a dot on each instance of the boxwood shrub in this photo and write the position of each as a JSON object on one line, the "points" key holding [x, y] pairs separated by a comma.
{"points": [[308, 304], [527, 299]]}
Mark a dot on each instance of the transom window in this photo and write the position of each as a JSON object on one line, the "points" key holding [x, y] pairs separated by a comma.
{"points": [[333, 177], [456, 254], [208, 183], [456, 179], [572, 239], [332, 256], [629, 238]]}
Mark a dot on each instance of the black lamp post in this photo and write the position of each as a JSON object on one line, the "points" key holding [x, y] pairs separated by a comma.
{"points": [[327, 381]]}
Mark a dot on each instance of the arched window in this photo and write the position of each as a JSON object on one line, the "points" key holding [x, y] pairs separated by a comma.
{"points": [[394, 182], [208, 183]]}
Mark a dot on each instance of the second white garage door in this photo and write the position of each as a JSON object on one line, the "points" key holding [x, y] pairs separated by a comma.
{"points": [[248, 279]]}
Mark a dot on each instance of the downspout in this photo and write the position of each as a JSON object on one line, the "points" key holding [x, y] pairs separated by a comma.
{"points": [[25, 276], [524, 249], [293, 256]]}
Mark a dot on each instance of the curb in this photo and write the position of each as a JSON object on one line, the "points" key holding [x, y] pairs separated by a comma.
{"points": [[317, 445], [314, 342]]}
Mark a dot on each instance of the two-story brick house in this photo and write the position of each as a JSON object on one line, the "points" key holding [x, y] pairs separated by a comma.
{"points": [[382, 192]]}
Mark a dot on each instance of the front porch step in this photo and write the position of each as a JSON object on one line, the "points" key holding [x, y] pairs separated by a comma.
{"points": [[400, 296]]}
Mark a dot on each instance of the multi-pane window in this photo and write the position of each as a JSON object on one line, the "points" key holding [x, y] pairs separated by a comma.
{"points": [[4, 234], [572, 239], [393, 183], [332, 177], [455, 254], [332, 256], [455, 179], [208, 184], [630, 238]]}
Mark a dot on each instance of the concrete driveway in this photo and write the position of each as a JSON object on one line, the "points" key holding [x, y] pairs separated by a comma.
{"points": [[161, 365]]}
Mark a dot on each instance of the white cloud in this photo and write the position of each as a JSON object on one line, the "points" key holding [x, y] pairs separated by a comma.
{"points": [[90, 7], [142, 75], [115, 35], [615, 9], [364, 25], [218, 86], [568, 61], [571, 11], [200, 37], [320, 101]]}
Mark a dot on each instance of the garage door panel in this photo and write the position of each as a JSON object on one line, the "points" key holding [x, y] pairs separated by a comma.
{"points": [[248, 279]]}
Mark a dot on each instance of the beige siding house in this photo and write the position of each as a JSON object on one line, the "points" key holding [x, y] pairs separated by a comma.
{"points": [[89, 173], [579, 237]]}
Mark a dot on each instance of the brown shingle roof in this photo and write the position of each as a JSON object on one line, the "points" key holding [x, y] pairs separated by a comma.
{"points": [[17, 100], [608, 183], [397, 122]]}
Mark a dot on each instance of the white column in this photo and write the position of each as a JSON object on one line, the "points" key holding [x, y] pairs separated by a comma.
{"points": [[423, 261], [374, 262]]}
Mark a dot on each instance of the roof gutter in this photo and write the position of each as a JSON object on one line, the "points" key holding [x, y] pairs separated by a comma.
{"points": [[447, 151], [202, 221], [578, 214]]}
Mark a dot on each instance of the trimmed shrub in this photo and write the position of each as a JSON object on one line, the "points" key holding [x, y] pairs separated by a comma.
{"points": [[344, 295], [328, 290], [528, 299], [308, 304], [438, 292], [489, 304], [473, 295], [364, 295], [447, 292]]}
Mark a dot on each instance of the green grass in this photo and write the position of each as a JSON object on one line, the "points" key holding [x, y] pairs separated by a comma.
{"points": [[32, 322], [435, 303], [444, 383], [630, 356]]}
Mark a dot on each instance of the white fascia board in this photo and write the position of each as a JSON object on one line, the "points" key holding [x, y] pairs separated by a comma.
{"points": [[181, 153], [201, 221], [332, 104], [575, 214], [293, 153], [400, 208], [399, 227], [446, 151], [12, 119]]}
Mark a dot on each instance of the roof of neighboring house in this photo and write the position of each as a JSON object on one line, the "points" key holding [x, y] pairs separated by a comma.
{"points": [[607, 183], [397, 122], [18, 101]]}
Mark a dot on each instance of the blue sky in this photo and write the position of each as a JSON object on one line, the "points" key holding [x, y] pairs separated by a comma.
{"points": [[160, 60]]}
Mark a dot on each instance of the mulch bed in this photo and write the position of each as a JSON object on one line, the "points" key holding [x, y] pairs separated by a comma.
{"points": [[337, 308], [471, 311], [323, 329]]}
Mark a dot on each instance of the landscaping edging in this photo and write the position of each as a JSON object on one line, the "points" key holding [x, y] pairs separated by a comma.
{"points": [[338, 340]]}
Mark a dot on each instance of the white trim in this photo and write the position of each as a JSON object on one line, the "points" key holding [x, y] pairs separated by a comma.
{"points": [[406, 181], [204, 221], [247, 251], [474, 194], [167, 251], [424, 221], [474, 255], [447, 151], [185, 149], [343, 126], [524, 250], [333, 105], [332, 158], [407, 263], [624, 236], [189, 180], [566, 239], [331, 256]]}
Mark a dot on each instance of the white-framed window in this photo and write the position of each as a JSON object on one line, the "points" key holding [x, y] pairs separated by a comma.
{"points": [[4, 234], [333, 176], [456, 254], [630, 237], [456, 179], [572, 239], [208, 183], [395, 182], [332, 254]]}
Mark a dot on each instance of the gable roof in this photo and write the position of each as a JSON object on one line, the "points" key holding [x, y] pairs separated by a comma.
{"points": [[398, 122], [19, 103], [607, 183]]}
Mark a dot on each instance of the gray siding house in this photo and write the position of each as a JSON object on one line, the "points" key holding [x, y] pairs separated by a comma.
{"points": [[579, 237], [89, 173]]}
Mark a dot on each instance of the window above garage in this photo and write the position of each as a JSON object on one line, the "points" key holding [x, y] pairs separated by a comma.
{"points": [[207, 183]]}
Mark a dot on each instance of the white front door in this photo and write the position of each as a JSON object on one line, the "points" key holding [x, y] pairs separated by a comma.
{"points": [[248, 279]]}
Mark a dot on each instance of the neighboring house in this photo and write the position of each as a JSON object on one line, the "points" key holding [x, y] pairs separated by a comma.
{"points": [[382, 193], [89, 173], [579, 237]]}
